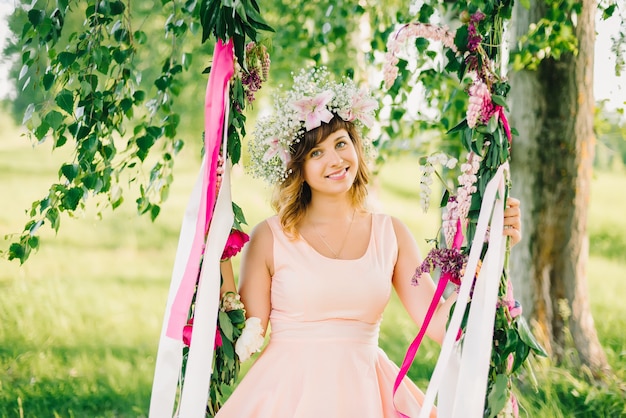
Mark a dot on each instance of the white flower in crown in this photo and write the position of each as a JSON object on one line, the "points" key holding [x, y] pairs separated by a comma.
{"points": [[314, 99]]}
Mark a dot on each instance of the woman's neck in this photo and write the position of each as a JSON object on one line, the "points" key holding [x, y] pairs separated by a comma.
{"points": [[324, 209]]}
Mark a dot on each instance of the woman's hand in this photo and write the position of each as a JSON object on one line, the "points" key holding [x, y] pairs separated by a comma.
{"points": [[513, 220]]}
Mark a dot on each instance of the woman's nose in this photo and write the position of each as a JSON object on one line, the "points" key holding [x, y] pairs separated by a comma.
{"points": [[336, 158]]}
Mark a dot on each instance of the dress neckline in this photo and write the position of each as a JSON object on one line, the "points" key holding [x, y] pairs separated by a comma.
{"points": [[367, 250]]}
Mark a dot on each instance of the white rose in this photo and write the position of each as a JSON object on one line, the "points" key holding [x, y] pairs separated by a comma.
{"points": [[251, 339]]}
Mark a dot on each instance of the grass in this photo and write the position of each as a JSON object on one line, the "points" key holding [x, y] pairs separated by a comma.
{"points": [[80, 321]]}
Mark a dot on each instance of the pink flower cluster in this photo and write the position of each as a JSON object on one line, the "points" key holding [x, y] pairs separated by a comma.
{"points": [[480, 108], [408, 32], [458, 206], [513, 306]]}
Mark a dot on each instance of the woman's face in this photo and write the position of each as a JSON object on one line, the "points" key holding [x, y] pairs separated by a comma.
{"points": [[331, 166]]}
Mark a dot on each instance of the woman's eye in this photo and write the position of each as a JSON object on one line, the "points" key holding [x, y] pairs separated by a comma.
{"points": [[341, 144], [315, 153]]}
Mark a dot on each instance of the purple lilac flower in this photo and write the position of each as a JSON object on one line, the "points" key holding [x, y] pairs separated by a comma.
{"points": [[449, 260]]}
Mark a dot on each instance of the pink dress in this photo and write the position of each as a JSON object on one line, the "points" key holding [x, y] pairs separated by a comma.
{"points": [[323, 359]]}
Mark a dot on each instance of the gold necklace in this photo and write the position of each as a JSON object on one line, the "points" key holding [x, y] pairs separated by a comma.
{"points": [[345, 238]]}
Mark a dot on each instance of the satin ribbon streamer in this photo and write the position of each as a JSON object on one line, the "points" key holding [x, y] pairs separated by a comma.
{"points": [[193, 243], [465, 389], [441, 286]]}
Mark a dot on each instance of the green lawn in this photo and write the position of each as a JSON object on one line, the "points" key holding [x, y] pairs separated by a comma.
{"points": [[80, 321]]}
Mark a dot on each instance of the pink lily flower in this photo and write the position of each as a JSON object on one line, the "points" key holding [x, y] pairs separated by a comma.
{"points": [[361, 109], [276, 148], [313, 110]]}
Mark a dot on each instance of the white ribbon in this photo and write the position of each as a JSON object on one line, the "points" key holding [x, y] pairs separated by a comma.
{"points": [[195, 394], [465, 383]]}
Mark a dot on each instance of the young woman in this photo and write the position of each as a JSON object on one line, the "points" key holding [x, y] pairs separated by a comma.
{"points": [[320, 273]]}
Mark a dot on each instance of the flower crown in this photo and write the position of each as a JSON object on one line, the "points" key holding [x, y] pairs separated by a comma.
{"points": [[313, 99]]}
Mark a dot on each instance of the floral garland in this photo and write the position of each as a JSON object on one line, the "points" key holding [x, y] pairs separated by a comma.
{"points": [[236, 338], [486, 136], [313, 99]]}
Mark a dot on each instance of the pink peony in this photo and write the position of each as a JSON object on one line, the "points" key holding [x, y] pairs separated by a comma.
{"points": [[236, 241], [187, 330], [218, 338]]}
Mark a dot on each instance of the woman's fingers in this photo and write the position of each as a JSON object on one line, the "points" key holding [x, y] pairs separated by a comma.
{"points": [[513, 220]]}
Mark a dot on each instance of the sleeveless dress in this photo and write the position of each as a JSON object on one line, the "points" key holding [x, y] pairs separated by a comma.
{"points": [[323, 359]]}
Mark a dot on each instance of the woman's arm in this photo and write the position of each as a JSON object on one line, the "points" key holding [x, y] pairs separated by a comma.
{"points": [[256, 274], [416, 299], [228, 277]]}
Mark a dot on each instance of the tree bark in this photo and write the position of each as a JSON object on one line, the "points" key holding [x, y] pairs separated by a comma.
{"points": [[551, 173]]}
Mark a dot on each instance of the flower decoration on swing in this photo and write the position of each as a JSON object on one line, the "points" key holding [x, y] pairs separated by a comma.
{"points": [[313, 100], [485, 134]]}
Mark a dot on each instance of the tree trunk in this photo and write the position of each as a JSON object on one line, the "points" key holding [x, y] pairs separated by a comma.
{"points": [[551, 173]]}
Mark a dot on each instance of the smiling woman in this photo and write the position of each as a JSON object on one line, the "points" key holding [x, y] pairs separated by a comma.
{"points": [[320, 273]]}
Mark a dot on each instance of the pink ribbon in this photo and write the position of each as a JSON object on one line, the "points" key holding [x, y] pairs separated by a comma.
{"points": [[412, 350], [505, 123], [221, 73]]}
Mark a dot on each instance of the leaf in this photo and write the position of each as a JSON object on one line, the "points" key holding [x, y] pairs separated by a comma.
{"points": [[140, 37], [54, 119], [47, 80], [154, 212], [36, 16], [256, 18], [145, 142], [499, 100], [238, 213], [33, 242], [65, 100], [498, 395], [66, 58], [459, 127], [72, 197], [226, 325], [42, 130], [139, 96], [444, 199], [70, 171], [23, 71], [117, 7], [163, 82], [19, 251], [60, 141], [237, 316], [521, 353], [527, 336], [53, 216]]}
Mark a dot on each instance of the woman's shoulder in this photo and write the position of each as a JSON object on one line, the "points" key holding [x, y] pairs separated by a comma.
{"points": [[393, 220], [264, 228], [400, 229]]}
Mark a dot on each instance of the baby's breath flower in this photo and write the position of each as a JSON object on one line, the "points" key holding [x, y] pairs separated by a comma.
{"points": [[303, 108]]}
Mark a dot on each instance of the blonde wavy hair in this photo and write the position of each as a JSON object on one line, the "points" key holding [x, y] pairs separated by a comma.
{"points": [[292, 197]]}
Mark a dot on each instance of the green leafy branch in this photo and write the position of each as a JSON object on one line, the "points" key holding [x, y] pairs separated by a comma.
{"points": [[94, 103]]}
